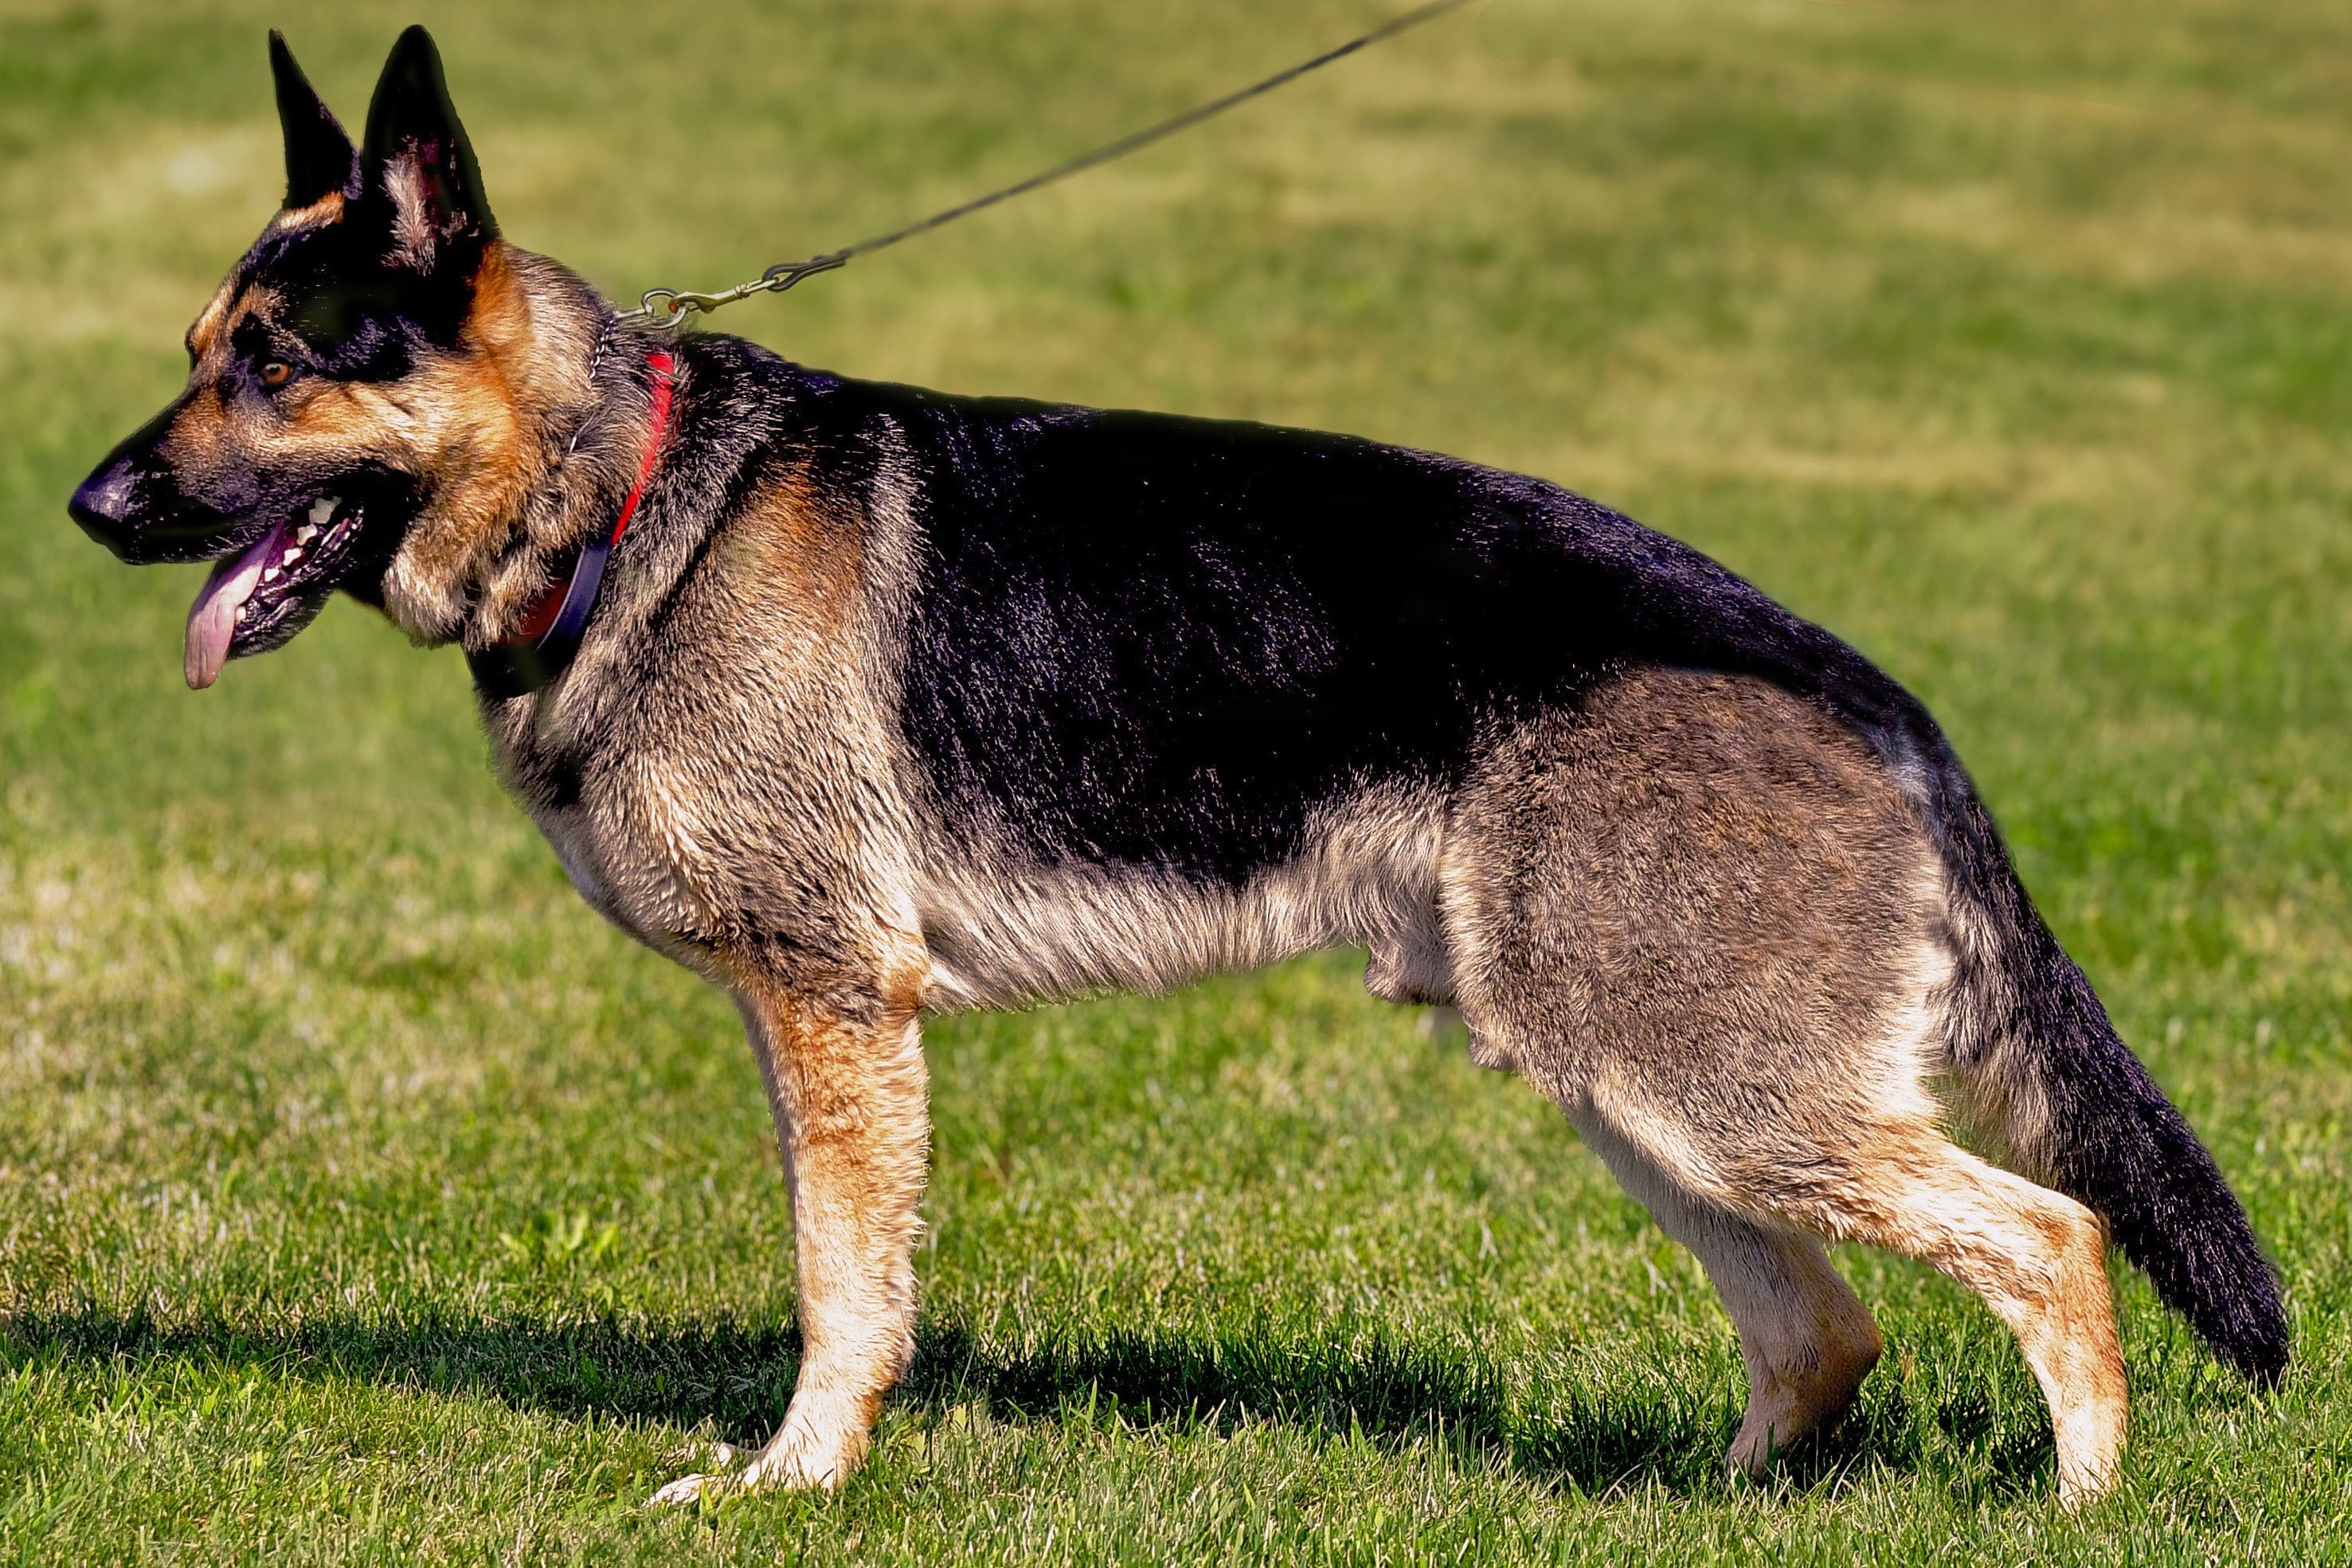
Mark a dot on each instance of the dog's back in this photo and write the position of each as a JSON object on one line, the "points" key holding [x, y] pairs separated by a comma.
{"points": [[1171, 641]]}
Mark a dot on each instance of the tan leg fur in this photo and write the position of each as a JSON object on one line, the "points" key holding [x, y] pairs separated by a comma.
{"points": [[851, 1102], [2037, 1258], [1805, 1338]]}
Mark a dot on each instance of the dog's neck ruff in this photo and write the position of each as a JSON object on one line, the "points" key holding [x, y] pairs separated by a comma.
{"points": [[542, 644]]}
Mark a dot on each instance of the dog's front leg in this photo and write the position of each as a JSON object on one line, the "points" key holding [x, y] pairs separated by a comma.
{"points": [[851, 1099]]}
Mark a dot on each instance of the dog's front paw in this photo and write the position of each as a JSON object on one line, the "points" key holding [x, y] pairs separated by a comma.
{"points": [[801, 1466], [688, 1491], [789, 1464]]}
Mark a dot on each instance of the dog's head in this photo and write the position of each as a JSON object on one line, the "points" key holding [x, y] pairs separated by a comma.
{"points": [[349, 396]]}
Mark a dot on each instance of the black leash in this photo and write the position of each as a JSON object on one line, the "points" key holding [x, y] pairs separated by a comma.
{"points": [[671, 307]]}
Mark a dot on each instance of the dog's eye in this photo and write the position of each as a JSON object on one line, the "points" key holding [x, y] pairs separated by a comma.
{"points": [[275, 372]]}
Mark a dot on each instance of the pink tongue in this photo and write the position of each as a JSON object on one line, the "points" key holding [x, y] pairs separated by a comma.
{"points": [[212, 619]]}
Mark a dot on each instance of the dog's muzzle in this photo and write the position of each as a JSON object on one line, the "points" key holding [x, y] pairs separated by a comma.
{"points": [[133, 505]]}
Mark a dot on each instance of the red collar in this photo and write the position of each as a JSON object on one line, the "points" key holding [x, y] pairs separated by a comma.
{"points": [[548, 635]]}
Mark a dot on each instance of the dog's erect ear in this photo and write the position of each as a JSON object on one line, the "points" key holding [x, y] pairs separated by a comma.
{"points": [[319, 156], [416, 165]]}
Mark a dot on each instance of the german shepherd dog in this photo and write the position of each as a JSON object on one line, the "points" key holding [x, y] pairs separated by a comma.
{"points": [[867, 701]]}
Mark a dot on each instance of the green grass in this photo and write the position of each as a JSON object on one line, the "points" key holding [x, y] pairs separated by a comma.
{"points": [[361, 1197]]}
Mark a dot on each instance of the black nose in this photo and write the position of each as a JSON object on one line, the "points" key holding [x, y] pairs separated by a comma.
{"points": [[102, 505]]}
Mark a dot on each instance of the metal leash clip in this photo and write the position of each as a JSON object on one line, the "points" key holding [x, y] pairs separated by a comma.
{"points": [[669, 309]]}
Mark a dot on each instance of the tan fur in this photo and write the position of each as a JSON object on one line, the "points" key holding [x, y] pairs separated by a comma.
{"points": [[800, 561], [1726, 963], [474, 420], [1805, 1338], [1004, 934], [207, 332], [851, 1107], [2037, 1258], [687, 845], [208, 348], [327, 209]]}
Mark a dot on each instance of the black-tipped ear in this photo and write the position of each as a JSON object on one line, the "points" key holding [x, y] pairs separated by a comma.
{"points": [[319, 156], [417, 161]]}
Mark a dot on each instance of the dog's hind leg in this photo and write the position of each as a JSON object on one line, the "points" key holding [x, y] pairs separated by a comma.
{"points": [[2037, 1258], [1698, 914], [1805, 1337], [851, 1102]]}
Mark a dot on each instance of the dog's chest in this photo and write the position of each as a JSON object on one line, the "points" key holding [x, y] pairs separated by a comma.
{"points": [[716, 852], [633, 853], [622, 880]]}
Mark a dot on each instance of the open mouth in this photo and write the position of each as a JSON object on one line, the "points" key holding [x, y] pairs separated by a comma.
{"points": [[257, 600]]}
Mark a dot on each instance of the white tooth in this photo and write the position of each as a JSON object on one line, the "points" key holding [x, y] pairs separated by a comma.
{"points": [[306, 533], [322, 510], [273, 574], [293, 553], [240, 613]]}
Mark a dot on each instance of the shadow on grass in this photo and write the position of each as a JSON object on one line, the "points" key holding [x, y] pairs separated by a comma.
{"points": [[739, 1379]]}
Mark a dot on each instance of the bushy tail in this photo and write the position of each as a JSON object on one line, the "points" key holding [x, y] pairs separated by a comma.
{"points": [[2032, 1042]]}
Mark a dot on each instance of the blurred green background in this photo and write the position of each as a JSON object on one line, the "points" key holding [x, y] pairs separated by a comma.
{"points": [[362, 1198]]}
